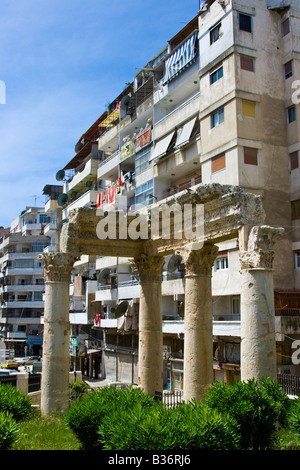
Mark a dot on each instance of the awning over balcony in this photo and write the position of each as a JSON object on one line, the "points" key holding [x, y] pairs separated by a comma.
{"points": [[161, 147], [185, 135], [111, 118], [182, 58]]}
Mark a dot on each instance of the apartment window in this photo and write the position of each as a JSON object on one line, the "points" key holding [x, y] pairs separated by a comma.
{"points": [[247, 63], [216, 74], [297, 259], [236, 305], [288, 69], [217, 117], [44, 219], [285, 27], [291, 114], [245, 22], [39, 247], [215, 33], [142, 161], [38, 296], [221, 262], [23, 263], [250, 156], [294, 161], [248, 108], [295, 209], [144, 193], [218, 163]]}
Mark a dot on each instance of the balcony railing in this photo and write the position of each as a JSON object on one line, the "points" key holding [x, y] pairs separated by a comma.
{"points": [[287, 312], [180, 187]]}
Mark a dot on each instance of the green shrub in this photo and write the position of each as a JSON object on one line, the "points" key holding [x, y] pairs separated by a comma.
{"points": [[78, 389], [187, 427], [86, 415], [8, 430], [257, 408], [294, 416], [14, 401]]}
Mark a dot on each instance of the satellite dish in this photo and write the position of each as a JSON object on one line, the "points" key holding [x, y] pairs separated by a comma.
{"points": [[104, 275], [125, 102], [174, 263], [121, 309], [60, 175], [62, 199]]}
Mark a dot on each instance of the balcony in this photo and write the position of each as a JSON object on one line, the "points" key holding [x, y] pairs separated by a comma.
{"points": [[109, 166], [87, 199], [25, 304], [25, 288], [180, 187], [82, 178], [50, 228]]}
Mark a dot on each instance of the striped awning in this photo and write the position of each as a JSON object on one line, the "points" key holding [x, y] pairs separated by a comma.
{"points": [[182, 58]]}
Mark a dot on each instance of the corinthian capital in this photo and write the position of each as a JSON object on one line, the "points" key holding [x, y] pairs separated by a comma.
{"points": [[199, 262], [149, 267], [260, 248], [57, 266]]}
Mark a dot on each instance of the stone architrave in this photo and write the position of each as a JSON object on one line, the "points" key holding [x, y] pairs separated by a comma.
{"points": [[258, 341], [56, 342], [198, 321], [150, 323]]}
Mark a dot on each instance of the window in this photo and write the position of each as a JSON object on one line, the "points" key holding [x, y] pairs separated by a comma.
{"points": [[295, 209], [217, 117], [38, 296], [248, 108], [144, 193], [294, 162], [216, 74], [215, 33], [285, 27], [247, 63], [297, 259], [291, 114], [23, 263], [218, 163], [245, 22], [142, 161], [221, 262], [39, 247], [44, 219], [250, 156], [236, 305], [288, 69]]}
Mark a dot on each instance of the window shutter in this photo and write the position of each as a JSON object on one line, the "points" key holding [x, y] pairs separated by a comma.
{"points": [[250, 156], [218, 163], [247, 63], [248, 108]]}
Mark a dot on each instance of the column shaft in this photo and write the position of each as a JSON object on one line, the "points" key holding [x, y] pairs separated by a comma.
{"points": [[198, 334], [150, 323]]}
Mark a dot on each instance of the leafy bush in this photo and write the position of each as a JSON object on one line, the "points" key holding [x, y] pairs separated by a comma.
{"points": [[14, 401], [187, 427], [8, 430], [257, 408], [86, 415], [78, 389], [294, 416]]}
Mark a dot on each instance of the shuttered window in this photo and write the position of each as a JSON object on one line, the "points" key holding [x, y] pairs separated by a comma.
{"points": [[247, 63], [294, 162], [248, 108], [250, 156], [288, 69], [295, 209], [218, 163], [285, 27]]}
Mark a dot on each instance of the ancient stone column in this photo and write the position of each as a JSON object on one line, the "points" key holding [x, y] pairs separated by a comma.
{"points": [[150, 323], [198, 322], [56, 342], [258, 343]]}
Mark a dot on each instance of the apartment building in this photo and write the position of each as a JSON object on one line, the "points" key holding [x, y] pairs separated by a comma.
{"points": [[22, 283], [216, 105]]}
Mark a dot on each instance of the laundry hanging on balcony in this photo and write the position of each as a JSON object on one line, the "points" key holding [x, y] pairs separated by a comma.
{"points": [[182, 58]]}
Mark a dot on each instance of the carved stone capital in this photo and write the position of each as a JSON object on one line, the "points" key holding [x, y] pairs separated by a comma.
{"points": [[57, 266], [199, 262], [260, 252], [149, 267]]}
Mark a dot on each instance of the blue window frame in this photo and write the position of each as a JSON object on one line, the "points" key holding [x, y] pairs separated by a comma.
{"points": [[216, 75], [217, 117], [245, 22]]}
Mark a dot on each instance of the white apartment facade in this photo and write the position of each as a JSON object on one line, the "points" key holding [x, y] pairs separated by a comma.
{"points": [[216, 105], [22, 284]]}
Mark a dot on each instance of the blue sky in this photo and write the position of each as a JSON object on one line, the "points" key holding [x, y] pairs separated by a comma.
{"points": [[62, 62]]}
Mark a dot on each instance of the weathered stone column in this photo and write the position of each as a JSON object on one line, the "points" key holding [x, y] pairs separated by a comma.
{"points": [[198, 322], [150, 323], [258, 343], [56, 343]]}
